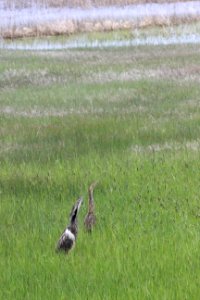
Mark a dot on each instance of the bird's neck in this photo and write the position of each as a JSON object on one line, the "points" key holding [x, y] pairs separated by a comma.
{"points": [[91, 201]]}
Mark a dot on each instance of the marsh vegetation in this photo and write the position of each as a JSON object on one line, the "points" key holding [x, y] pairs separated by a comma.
{"points": [[37, 20], [127, 117]]}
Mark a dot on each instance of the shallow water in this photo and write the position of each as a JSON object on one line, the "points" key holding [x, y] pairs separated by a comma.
{"points": [[150, 40], [38, 15]]}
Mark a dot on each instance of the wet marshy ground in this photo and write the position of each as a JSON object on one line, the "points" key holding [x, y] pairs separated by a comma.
{"points": [[36, 21]]}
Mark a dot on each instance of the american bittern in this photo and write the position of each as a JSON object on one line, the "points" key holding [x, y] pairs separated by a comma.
{"points": [[90, 218], [68, 238]]}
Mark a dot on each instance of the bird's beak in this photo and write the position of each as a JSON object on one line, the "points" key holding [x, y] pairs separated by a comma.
{"points": [[78, 203]]}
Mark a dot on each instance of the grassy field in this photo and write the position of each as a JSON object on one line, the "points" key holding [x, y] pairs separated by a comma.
{"points": [[128, 117]]}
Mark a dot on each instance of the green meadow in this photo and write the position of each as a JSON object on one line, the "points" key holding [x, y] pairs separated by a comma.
{"points": [[127, 117]]}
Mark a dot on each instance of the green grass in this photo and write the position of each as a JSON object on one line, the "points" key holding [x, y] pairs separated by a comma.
{"points": [[129, 118]]}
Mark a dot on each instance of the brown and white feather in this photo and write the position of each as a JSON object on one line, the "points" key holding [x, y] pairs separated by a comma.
{"points": [[90, 219]]}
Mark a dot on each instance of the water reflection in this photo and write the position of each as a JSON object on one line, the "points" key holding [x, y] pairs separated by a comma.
{"points": [[150, 40]]}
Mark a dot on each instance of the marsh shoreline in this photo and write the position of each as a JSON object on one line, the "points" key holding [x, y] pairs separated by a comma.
{"points": [[50, 21]]}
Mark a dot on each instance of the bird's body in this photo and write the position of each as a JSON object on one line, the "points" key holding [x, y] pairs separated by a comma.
{"points": [[90, 218], [68, 238], [90, 221], [67, 241]]}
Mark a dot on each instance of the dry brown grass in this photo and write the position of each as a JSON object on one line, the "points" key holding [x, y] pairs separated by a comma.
{"points": [[193, 145], [69, 27], [83, 3]]}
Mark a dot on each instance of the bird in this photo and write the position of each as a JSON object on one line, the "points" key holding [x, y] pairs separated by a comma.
{"points": [[68, 238], [90, 218]]}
